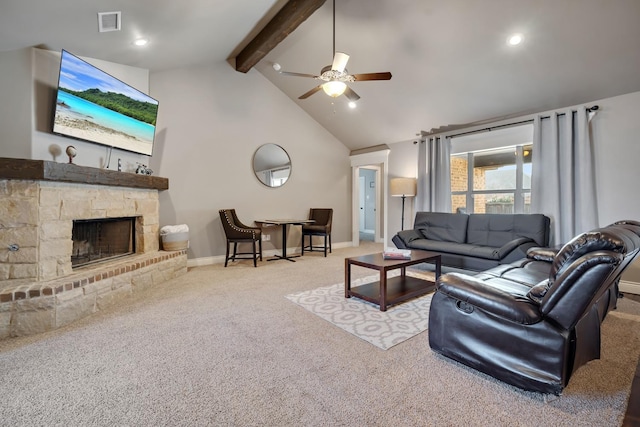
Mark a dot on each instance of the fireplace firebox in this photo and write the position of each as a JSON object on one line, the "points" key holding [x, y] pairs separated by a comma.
{"points": [[97, 240]]}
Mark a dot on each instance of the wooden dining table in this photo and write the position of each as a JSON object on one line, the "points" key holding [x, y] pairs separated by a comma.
{"points": [[284, 224]]}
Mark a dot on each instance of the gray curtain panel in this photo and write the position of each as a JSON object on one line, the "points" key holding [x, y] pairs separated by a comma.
{"points": [[563, 181], [434, 175]]}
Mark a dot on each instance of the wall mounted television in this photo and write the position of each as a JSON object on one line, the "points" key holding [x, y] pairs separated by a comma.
{"points": [[94, 106]]}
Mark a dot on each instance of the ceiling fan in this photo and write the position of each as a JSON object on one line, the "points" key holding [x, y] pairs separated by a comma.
{"points": [[336, 76]]}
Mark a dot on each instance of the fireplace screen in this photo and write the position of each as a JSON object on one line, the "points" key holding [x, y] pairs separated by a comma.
{"points": [[96, 240]]}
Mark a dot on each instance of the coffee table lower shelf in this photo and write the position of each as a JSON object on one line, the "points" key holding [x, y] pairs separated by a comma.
{"points": [[399, 288]]}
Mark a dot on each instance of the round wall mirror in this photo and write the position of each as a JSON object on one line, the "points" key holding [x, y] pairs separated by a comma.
{"points": [[272, 165]]}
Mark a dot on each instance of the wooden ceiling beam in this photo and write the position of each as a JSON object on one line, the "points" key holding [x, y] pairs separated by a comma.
{"points": [[292, 14]]}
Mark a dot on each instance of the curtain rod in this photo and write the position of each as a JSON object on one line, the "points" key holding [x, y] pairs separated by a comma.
{"points": [[424, 134]]}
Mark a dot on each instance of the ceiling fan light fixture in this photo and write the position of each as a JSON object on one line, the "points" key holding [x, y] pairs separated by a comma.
{"points": [[336, 75], [334, 88]]}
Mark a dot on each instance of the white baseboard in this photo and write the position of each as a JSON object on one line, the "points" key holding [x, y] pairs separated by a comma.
{"points": [[629, 287], [219, 259], [201, 262]]}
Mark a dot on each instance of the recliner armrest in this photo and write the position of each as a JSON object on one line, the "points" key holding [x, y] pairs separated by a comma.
{"points": [[542, 254], [477, 294]]}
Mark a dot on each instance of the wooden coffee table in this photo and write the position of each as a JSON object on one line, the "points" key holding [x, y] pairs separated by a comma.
{"points": [[389, 291]]}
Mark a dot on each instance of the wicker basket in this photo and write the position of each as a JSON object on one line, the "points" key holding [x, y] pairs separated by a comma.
{"points": [[175, 241]]}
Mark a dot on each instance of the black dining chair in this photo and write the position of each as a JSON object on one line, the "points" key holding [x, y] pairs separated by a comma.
{"points": [[321, 226], [237, 232]]}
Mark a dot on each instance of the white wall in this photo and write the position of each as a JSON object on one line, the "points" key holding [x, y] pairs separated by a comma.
{"points": [[211, 120], [403, 163], [15, 104], [616, 133]]}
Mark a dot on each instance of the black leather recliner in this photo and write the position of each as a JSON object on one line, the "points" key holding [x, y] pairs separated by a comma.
{"points": [[534, 322]]}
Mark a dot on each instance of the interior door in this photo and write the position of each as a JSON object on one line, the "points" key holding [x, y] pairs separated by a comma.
{"points": [[362, 202]]}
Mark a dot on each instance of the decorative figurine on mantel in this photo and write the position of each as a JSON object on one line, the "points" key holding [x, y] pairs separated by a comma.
{"points": [[71, 152], [143, 170]]}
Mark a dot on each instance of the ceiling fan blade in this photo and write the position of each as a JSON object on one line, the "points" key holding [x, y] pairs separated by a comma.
{"points": [[288, 73], [372, 76], [339, 61], [311, 92], [351, 95]]}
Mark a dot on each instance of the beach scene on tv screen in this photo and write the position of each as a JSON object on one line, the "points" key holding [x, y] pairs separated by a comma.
{"points": [[95, 106]]}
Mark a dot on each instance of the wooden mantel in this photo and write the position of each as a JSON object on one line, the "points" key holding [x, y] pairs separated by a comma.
{"points": [[43, 170]]}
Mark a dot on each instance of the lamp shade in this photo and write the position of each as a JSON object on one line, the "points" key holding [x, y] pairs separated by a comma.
{"points": [[403, 187]]}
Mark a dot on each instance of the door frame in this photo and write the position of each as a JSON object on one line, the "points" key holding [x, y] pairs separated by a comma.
{"points": [[378, 160]]}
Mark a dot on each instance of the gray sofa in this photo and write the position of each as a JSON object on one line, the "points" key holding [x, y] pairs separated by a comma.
{"points": [[475, 242]]}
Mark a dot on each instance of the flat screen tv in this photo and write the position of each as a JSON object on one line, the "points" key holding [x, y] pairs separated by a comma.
{"points": [[94, 106]]}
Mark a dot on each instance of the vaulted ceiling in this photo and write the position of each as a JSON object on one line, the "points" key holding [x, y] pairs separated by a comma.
{"points": [[449, 59]]}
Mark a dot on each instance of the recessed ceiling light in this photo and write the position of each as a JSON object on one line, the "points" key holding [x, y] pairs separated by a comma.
{"points": [[515, 39], [276, 66], [352, 104], [141, 42]]}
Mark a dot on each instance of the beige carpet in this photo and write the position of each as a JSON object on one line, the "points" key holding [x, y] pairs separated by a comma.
{"points": [[224, 347]]}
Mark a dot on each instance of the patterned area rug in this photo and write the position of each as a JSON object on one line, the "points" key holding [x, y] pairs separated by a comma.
{"points": [[365, 320]]}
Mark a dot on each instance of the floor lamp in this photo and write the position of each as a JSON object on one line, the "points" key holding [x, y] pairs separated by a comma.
{"points": [[403, 187]]}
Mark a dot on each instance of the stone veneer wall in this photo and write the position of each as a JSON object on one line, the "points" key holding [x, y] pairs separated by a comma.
{"points": [[39, 290]]}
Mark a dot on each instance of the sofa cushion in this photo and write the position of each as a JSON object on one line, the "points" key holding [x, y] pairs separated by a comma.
{"points": [[485, 252], [497, 229], [443, 227], [504, 285], [520, 273]]}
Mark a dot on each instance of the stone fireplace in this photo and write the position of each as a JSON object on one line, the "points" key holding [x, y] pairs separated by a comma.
{"points": [[55, 262]]}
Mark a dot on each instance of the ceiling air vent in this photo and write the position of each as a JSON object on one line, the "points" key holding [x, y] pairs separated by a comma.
{"points": [[109, 21]]}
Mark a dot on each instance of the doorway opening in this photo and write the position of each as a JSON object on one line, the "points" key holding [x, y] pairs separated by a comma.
{"points": [[368, 204], [362, 184]]}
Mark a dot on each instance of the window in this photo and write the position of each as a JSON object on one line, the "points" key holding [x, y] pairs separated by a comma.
{"points": [[491, 172]]}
